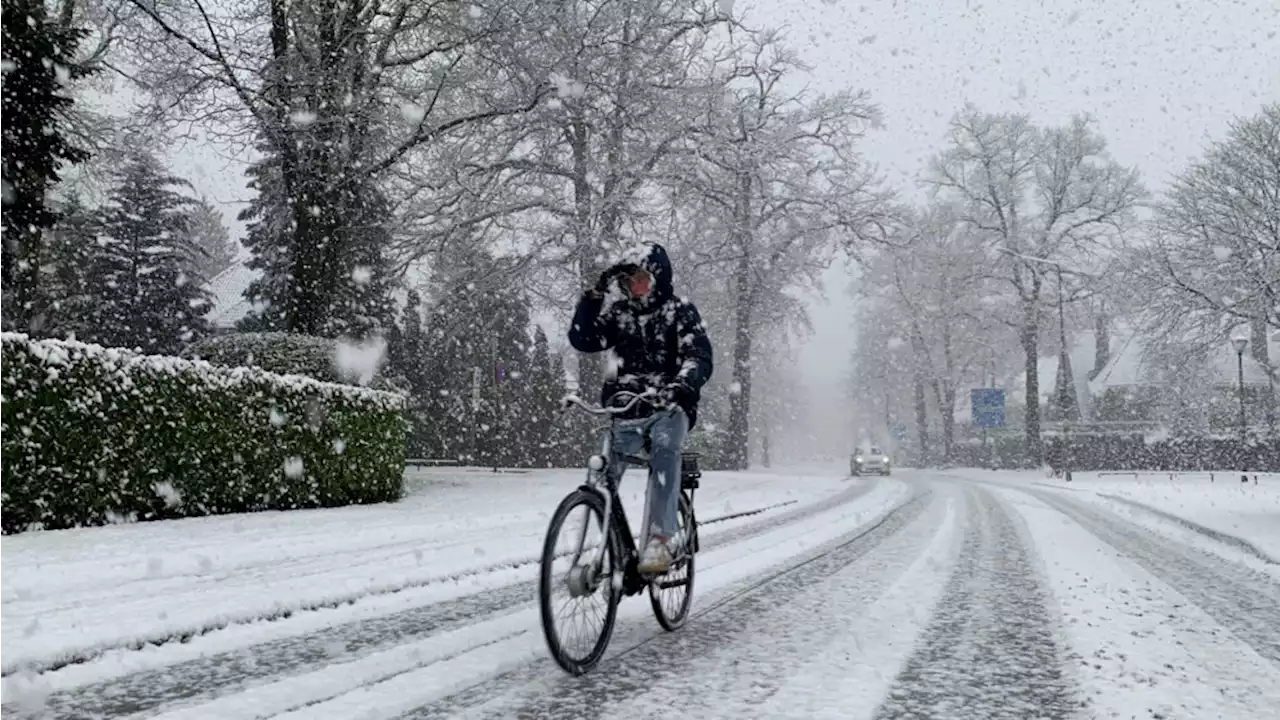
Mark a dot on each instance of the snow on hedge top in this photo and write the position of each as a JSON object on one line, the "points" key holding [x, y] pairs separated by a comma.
{"points": [[54, 354]]}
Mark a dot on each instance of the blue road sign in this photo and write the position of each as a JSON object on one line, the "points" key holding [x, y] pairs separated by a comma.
{"points": [[988, 408], [899, 432]]}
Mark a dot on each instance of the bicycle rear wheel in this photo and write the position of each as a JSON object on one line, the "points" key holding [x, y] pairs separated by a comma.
{"points": [[671, 594], [568, 580]]}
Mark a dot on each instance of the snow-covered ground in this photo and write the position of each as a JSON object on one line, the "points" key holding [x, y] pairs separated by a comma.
{"points": [[957, 594], [1216, 504]]}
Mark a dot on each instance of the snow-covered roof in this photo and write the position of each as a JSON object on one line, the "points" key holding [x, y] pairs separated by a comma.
{"points": [[229, 303], [1129, 366]]}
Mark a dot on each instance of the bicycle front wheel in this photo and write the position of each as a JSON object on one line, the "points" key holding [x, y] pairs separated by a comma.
{"points": [[577, 595], [671, 594]]}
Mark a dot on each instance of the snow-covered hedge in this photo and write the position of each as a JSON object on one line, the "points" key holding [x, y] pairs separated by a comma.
{"points": [[93, 435]]}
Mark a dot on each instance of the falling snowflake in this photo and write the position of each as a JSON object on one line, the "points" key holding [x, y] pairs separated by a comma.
{"points": [[412, 113], [293, 467], [302, 118], [172, 498], [1222, 254], [566, 86], [361, 274], [358, 362]]}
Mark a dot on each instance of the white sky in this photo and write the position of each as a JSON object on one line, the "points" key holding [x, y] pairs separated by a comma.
{"points": [[1162, 77]]}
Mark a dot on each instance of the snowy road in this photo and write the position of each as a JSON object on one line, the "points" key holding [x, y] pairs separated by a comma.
{"points": [[947, 595]]}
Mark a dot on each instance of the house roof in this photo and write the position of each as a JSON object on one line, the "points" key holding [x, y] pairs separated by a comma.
{"points": [[1129, 366]]}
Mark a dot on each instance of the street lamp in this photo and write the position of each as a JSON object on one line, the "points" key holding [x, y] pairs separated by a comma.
{"points": [[1240, 344]]}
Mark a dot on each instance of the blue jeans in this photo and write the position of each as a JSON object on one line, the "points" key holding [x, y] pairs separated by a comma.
{"points": [[666, 430]]}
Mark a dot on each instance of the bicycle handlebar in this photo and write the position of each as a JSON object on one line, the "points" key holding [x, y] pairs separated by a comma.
{"points": [[649, 396]]}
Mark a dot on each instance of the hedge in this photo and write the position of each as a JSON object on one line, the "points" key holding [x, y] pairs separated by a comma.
{"points": [[279, 352], [93, 435]]}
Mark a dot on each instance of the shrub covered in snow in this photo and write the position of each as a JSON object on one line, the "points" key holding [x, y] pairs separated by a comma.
{"points": [[94, 434], [277, 352]]}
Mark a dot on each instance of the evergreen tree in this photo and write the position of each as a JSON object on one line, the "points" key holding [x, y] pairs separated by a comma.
{"points": [[408, 359], [476, 331], [150, 297], [38, 62], [362, 303], [542, 416], [212, 248], [357, 301], [268, 237], [73, 244]]}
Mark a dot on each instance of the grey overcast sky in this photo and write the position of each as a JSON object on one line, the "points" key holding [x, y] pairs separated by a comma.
{"points": [[1161, 77]]}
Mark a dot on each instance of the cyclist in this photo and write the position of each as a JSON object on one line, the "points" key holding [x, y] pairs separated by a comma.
{"points": [[657, 341]]}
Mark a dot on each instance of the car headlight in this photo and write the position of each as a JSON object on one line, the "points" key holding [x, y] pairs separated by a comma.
{"points": [[858, 459], [886, 460]]}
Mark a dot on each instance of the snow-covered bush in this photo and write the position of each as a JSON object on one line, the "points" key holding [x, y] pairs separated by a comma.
{"points": [[277, 352], [94, 434]]}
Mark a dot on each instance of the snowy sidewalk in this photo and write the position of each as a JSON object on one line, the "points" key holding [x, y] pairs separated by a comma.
{"points": [[1197, 501]]}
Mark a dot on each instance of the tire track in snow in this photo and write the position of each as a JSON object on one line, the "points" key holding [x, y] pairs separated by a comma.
{"points": [[1242, 600], [207, 677], [631, 671], [990, 650]]}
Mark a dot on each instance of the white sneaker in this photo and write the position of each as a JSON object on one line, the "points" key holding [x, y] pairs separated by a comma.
{"points": [[656, 557]]}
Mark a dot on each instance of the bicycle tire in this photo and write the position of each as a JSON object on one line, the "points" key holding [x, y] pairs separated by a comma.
{"points": [[675, 621], [570, 664]]}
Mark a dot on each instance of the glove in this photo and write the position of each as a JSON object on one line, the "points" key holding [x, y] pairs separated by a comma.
{"points": [[676, 394], [609, 276]]}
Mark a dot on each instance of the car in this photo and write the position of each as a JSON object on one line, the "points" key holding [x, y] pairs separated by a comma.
{"points": [[872, 461]]}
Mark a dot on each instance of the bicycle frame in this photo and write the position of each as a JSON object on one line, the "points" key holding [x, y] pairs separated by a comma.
{"points": [[601, 476]]}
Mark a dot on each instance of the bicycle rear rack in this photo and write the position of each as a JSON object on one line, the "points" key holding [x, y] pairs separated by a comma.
{"points": [[690, 472]]}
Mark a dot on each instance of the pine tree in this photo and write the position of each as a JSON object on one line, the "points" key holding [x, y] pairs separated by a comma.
{"points": [[269, 235], [73, 244], [213, 250], [38, 65], [362, 303], [149, 294], [472, 330], [542, 418], [356, 259]]}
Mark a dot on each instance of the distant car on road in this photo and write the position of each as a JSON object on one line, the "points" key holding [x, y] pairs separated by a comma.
{"points": [[873, 461]]}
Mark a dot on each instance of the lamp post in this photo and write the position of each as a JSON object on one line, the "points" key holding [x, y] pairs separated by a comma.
{"points": [[1240, 344]]}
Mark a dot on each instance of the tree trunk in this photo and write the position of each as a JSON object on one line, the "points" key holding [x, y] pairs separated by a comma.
{"points": [[590, 366], [1101, 342], [737, 455], [948, 423], [922, 419], [1030, 348]]}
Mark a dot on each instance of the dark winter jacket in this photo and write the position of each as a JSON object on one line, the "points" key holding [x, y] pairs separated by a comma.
{"points": [[655, 341]]}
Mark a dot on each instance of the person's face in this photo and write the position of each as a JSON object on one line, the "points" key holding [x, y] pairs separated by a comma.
{"points": [[639, 283]]}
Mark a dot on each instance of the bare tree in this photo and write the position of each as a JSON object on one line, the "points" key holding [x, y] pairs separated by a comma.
{"points": [[581, 173], [1211, 263], [939, 280], [779, 173], [1045, 200], [339, 96]]}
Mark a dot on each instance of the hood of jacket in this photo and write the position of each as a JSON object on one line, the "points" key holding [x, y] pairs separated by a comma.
{"points": [[653, 258]]}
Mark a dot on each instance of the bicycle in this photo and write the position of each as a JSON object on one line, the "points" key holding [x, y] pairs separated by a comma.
{"points": [[608, 567]]}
